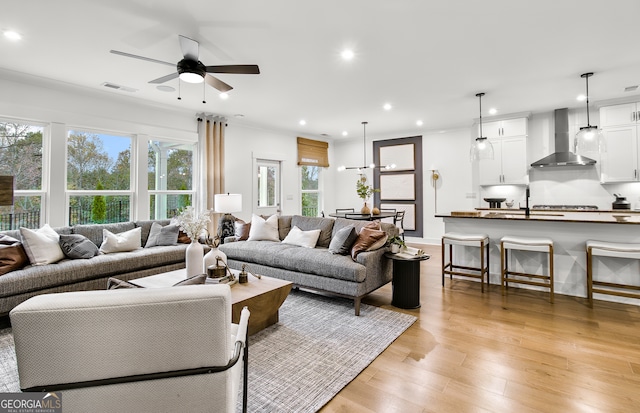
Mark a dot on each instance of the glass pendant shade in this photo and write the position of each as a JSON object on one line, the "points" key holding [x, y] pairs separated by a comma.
{"points": [[588, 139], [481, 149]]}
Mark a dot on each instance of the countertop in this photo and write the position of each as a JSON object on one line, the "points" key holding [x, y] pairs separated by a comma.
{"points": [[600, 216]]}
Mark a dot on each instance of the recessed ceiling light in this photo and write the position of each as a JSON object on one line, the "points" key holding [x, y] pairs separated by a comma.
{"points": [[224, 96], [165, 88], [581, 98], [387, 106], [345, 133], [347, 54], [11, 35], [419, 123], [493, 111], [302, 122]]}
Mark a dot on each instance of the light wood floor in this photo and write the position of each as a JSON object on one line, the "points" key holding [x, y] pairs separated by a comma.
{"points": [[474, 352]]}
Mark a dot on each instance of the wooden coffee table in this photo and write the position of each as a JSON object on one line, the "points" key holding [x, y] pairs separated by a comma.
{"points": [[262, 296]]}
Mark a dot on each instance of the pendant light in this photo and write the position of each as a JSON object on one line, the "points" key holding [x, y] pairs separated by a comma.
{"points": [[588, 138], [364, 155], [481, 148]]}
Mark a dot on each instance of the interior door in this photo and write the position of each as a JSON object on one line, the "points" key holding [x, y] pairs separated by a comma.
{"points": [[267, 184]]}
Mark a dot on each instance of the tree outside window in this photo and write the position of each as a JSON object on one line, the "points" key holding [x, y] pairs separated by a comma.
{"points": [[21, 157], [170, 173], [310, 184], [96, 163]]}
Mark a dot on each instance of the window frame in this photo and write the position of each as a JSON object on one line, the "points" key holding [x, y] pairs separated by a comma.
{"points": [[319, 191]]}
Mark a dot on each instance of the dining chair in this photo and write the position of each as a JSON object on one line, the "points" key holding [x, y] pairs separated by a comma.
{"points": [[391, 220], [400, 219]]}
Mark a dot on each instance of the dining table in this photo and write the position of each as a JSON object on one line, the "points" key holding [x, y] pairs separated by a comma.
{"points": [[363, 217]]}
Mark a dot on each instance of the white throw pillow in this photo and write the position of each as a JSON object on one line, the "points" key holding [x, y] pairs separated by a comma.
{"points": [[307, 239], [264, 229], [42, 246], [121, 242]]}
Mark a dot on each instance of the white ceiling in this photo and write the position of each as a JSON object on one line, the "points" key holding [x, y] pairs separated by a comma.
{"points": [[427, 58]]}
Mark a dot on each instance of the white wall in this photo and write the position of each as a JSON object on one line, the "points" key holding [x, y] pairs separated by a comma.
{"points": [[244, 144]]}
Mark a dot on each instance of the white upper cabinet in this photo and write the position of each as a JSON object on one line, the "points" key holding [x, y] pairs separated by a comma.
{"points": [[617, 115], [619, 160], [509, 165], [505, 128]]}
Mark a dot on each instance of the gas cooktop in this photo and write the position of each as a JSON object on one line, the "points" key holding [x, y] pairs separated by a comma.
{"points": [[576, 207]]}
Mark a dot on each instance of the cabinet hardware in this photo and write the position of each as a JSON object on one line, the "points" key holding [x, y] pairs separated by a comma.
{"points": [[633, 116]]}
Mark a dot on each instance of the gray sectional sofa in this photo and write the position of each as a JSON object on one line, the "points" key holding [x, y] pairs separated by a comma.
{"points": [[315, 268], [89, 274]]}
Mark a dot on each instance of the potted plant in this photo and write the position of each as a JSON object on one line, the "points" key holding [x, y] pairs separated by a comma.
{"points": [[396, 243], [365, 191]]}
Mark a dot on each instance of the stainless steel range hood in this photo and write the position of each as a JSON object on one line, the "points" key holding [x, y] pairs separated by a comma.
{"points": [[562, 156]]}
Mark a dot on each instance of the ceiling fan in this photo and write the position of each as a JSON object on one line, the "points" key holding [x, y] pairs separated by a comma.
{"points": [[191, 70]]}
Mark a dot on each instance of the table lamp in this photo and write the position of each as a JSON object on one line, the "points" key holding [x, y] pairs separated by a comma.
{"points": [[227, 204], [6, 190]]}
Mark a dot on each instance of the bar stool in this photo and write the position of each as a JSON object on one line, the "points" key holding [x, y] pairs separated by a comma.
{"points": [[544, 245], [615, 250], [467, 240]]}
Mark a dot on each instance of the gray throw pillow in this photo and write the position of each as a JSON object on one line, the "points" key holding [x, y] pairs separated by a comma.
{"points": [[159, 235], [116, 284], [76, 246], [343, 240]]}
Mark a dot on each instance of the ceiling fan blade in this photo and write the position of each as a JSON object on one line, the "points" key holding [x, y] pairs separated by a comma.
{"points": [[165, 78], [217, 83], [240, 69], [148, 59], [190, 48]]}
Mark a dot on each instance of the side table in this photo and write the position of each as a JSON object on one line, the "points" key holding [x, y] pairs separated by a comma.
{"points": [[406, 280]]}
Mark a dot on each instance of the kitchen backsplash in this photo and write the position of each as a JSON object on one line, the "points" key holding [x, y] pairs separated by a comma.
{"points": [[565, 186]]}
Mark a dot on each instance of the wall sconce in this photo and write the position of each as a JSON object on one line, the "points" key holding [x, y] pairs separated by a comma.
{"points": [[435, 175]]}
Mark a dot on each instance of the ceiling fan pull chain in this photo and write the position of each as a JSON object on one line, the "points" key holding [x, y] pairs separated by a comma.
{"points": [[179, 92], [204, 93]]}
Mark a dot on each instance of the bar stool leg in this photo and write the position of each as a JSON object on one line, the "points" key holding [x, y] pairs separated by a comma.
{"points": [[503, 266], [551, 273], [482, 266], [488, 264], [444, 251], [589, 277]]}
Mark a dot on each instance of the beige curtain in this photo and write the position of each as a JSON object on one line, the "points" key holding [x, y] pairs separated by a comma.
{"points": [[211, 139]]}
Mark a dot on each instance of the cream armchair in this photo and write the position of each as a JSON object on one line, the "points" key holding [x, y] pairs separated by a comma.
{"points": [[136, 350]]}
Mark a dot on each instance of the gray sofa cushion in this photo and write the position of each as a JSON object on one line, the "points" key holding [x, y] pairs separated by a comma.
{"points": [[325, 225], [162, 235], [340, 223], [318, 261], [94, 231], [35, 278]]}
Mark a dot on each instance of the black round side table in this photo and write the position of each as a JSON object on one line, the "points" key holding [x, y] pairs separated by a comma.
{"points": [[406, 280]]}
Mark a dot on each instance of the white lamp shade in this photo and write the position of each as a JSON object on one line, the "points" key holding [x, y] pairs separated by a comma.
{"points": [[228, 203]]}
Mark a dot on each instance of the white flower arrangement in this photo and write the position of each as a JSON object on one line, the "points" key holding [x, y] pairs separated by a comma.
{"points": [[193, 224]]}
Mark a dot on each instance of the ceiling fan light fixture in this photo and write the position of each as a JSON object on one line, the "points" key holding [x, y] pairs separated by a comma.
{"points": [[482, 147], [191, 77]]}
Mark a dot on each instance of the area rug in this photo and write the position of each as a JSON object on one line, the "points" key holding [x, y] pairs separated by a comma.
{"points": [[303, 361]]}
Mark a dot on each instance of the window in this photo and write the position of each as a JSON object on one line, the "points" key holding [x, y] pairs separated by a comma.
{"points": [[268, 184], [170, 172], [21, 146], [98, 177], [310, 184]]}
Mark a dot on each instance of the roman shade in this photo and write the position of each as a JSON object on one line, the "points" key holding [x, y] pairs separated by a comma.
{"points": [[311, 152]]}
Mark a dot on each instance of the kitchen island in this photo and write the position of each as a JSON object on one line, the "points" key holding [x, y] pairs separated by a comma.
{"points": [[569, 231]]}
